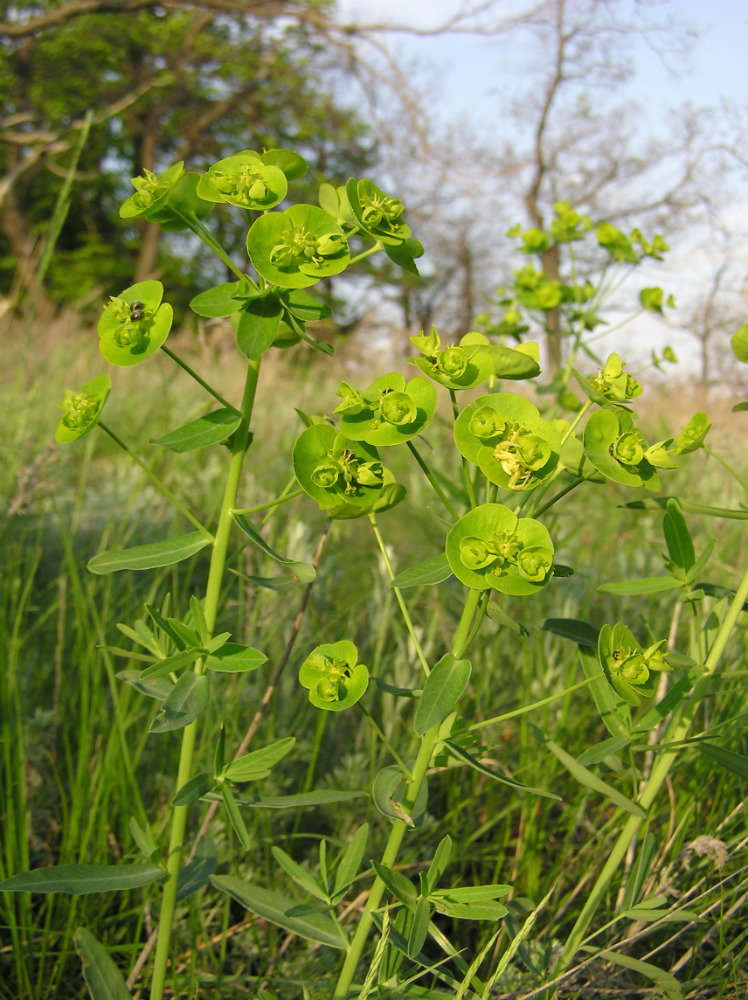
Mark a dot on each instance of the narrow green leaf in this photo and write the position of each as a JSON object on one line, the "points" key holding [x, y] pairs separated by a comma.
{"points": [[466, 758], [186, 700], [400, 887], [319, 927], [598, 752], [300, 875], [592, 781], [735, 762], [199, 622], [668, 984], [647, 915], [103, 979], [194, 789], [258, 763], [305, 574], [439, 863], [188, 637], [170, 664], [235, 817], [660, 503], [646, 585], [157, 687], [473, 893], [127, 654], [639, 871], [471, 902], [419, 928], [578, 631], [441, 692], [350, 860], [245, 525], [497, 614], [423, 574], [397, 691], [79, 880], [142, 837], [233, 658], [304, 306], [195, 875], [213, 428], [678, 537], [163, 623], [151, 556], [301, 800]]}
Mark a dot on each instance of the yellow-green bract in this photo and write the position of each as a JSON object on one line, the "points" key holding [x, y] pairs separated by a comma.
{"points": [[134, 324], [334, 680]]}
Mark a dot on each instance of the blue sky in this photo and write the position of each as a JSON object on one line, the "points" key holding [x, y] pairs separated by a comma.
{"points": [[471, 76], [468, 69]]}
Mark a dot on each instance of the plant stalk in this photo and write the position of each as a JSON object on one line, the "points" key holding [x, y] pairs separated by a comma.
{"points": [[676, 732], [428, 743], [161, 487], [212, 595]]}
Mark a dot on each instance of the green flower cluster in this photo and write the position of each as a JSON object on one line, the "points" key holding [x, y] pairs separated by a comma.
{"points": [[627, 666], [82, 409], [334, 679], [507, 438], [244, 180], [491, 548], [335, 470], [618, 449], [612, 383], [388, 412], [134, 324]]}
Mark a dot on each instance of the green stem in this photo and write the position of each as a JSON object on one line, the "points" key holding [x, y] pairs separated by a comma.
{"points": [[193, 374], [430, 476], [418, 775], [284, 498], [677, 731], [725, 466], [366, 253], [399, 597], [465, 467], [161, 487], [212, 595], [536, 704], [372, 722], [206, 236], [556, 497]]}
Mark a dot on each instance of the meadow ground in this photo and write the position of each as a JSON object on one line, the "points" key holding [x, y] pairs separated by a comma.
{"points": [[76, 762]]}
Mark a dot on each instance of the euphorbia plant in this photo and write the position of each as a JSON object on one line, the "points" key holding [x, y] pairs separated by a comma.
{"points": [[511, 464]]}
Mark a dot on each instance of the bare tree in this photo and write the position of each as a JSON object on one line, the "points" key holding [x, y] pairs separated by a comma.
{"points": [[575, 136]]}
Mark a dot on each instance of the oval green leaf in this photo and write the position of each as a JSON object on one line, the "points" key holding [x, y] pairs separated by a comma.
{"points": [[150, 556], [186, 700], [319, 927], [441, 692], [80, 880], [103, 978], [423, 574], [210, 429], [233, 658]]}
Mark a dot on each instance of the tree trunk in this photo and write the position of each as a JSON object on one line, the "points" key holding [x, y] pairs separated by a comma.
{"points": [[150, 239]]}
